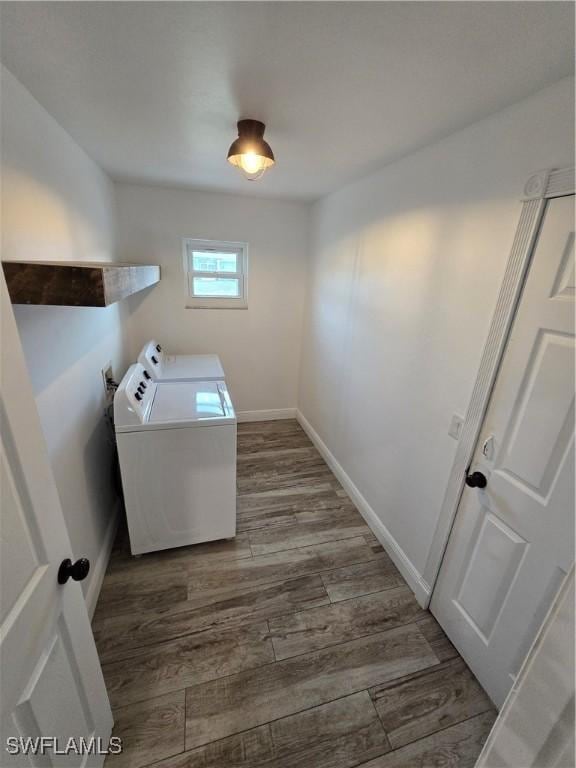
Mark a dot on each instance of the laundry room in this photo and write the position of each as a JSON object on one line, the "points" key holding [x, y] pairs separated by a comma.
{"points": [[287, 377]]}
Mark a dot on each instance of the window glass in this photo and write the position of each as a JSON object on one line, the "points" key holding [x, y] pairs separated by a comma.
{"points": [[216, 287], [209, 261]]}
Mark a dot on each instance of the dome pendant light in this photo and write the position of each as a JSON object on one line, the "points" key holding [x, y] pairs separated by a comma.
{"points": [[250, 153]]}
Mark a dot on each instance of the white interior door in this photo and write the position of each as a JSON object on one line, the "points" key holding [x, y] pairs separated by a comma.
{"points": [[51, 682], [513, 541], [536, 724]]}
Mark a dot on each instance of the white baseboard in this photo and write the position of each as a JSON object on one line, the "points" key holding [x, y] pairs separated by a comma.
{"points": [[270, 415], [413, 578], [99, 568]]}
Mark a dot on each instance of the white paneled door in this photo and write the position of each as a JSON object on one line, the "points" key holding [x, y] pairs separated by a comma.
{"points": [[513, 541], [51, 684]]}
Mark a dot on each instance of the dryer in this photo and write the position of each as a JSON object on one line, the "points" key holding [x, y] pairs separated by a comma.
{"points": [[163, 367], [177, 451]]}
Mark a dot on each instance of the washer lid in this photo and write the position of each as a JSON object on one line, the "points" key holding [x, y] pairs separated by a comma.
{"points": [[190, 401]]}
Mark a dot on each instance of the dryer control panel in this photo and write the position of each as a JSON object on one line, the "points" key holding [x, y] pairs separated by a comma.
{"points": [[134, 396], [152, 358]]}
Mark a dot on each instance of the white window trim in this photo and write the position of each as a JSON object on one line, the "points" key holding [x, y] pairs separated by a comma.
{"points": [[220, 246]]}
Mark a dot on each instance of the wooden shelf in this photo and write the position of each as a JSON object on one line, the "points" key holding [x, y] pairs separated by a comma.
{"points": [[76, 283]]}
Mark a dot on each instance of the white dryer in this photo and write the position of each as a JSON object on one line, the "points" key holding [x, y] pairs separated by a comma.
{"points": [[163, 367], [177, 452]]}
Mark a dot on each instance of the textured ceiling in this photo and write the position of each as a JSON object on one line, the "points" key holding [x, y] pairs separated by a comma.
{"points": [[153, 90]]}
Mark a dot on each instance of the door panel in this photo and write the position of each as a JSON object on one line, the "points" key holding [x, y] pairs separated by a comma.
{"points": [[512, 542], [544, 415], [494, 563], [541, 607], [51, 680], [17, 550], [55, 676], [565, 281]]}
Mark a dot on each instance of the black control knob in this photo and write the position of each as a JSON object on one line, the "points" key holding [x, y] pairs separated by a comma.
{"points": [[138, 396], [158, 348], [154, 360], [143, 384], [476, 480], [76, 571], [146, 375]]}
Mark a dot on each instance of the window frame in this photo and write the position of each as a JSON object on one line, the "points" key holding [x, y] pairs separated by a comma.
{"points": [[190, 244]]}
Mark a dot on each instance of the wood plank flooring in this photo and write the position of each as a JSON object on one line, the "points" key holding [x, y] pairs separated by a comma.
{"points": [[295, 644]]}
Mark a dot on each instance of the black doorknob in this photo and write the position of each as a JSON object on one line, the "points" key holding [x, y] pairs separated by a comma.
{"points": [[476, 480], [77, 571]]}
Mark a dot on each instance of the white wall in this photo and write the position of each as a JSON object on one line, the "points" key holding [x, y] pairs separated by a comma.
{"points": [[58, 205], [406, 266], [259, 347]]}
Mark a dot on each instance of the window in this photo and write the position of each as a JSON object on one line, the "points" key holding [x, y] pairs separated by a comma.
{"points": [[216, 274]]}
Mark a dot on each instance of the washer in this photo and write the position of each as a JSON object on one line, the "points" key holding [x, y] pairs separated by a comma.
{"points": [[163, 367], [177, 451]]}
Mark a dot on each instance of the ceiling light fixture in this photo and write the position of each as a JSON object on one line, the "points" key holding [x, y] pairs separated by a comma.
{"points": [[250, 153]]}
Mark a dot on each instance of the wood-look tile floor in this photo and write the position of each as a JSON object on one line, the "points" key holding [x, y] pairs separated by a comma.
{"points": [[296, 644]]}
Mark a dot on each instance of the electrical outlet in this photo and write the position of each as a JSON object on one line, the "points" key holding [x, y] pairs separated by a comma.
{"points": [[107, 379], [456, 425]]}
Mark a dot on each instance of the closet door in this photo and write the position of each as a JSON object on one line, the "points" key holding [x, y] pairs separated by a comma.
{"points": [[513, 540]]}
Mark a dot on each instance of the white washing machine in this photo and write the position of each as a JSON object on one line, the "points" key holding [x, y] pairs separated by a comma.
{"points": [[163, 367], [177, 452]]}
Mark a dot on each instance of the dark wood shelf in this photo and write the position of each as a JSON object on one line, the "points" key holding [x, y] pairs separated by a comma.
{"points": [[76, 283]]}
